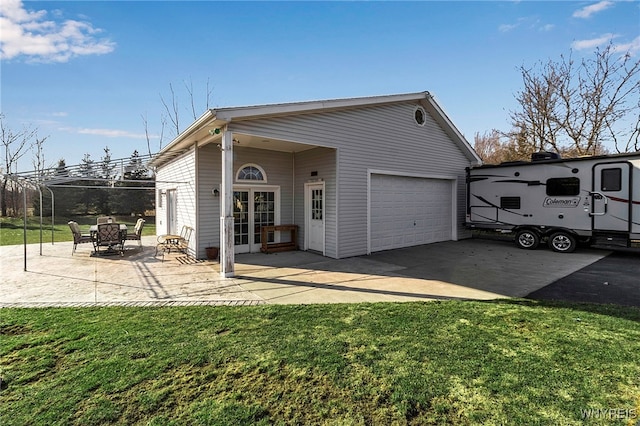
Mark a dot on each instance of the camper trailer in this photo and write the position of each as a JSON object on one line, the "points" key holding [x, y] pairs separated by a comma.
{"points": [[562, 202]]}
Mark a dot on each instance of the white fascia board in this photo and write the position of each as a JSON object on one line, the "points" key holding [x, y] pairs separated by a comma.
{"points": [[453, 131], [229, 114]]}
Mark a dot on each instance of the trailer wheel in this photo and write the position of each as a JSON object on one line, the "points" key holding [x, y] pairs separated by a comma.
{"points": [[562, 242], [527, 239]]}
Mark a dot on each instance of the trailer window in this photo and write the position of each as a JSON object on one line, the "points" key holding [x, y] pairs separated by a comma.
{"points": [[611, 179], [559, 187], [510, 203]]}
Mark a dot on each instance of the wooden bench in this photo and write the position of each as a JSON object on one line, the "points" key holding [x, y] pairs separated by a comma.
{"points": [[274, 247]]}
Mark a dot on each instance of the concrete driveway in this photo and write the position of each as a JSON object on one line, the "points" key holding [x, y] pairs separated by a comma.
{"points": [[468, 269]]}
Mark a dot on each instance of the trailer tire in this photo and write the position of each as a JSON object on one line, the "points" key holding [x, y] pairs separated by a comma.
{"points": [[527, 239], [562, 242]]}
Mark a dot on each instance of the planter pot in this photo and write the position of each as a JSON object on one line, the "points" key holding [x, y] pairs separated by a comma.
{"points": [[212, 252]]}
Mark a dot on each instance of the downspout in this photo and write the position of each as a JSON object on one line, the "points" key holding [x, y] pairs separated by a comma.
{"points": [[197, 195]]}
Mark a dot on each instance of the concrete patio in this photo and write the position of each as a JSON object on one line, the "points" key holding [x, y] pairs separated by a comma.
{"points": [[469, 269]]}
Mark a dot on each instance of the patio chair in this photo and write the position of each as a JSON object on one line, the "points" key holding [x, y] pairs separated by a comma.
{"points": [[78, 237], [109, 237], [137, 233], [104, 219], [166, 243], [182, 244]]}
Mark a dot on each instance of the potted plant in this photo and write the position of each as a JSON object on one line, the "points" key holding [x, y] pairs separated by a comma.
{"points": [[212, 252]]}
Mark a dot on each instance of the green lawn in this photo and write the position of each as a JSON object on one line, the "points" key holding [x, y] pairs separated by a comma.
{"points": [[454, 362], [12, 229]]}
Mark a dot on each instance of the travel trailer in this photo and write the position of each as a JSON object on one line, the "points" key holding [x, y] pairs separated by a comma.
{"points": [[594, 200]]}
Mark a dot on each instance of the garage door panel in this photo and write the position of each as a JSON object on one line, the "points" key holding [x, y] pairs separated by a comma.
{"points": [[407, 211]]}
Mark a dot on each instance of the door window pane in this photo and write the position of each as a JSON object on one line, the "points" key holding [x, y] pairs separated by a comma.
{"points": [[241, 217], [263, 214], [611, 179], [316, 204]]}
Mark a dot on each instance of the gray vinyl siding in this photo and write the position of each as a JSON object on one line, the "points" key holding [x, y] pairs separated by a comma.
{"points": [[178, 174], [322, 161], [383, 137], [209, 178], [278, 167]]}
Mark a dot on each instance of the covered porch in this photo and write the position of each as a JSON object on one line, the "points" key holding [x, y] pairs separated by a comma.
{"points": [[244, 181]]}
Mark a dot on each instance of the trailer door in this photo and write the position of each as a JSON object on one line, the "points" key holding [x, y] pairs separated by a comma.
{"points": [[610, 197]]}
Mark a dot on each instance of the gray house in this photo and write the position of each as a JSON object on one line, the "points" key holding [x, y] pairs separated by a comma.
{"points": [[355, 175]]}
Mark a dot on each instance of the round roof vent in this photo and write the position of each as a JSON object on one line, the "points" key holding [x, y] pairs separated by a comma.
{"points": [[420, 115]]}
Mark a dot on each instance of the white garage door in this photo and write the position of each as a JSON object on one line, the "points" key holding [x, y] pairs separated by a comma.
{"points": [[408, 211]]}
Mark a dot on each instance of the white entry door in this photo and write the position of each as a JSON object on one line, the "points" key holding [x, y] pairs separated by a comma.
{"points": [[254, 208], [315, 213], [611, 200], [172, 212]]}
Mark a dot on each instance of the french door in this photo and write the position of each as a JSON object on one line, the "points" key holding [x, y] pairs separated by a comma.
{"points": [[253, 208]]}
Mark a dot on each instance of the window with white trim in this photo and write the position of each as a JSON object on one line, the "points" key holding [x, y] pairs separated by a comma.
{"points": [[252, 173]]}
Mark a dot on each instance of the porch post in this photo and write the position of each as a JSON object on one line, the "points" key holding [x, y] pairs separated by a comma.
{"points": [[227, 255]]}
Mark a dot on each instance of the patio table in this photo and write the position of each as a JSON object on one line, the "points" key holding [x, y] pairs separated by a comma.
{"points": [[93, 231]]}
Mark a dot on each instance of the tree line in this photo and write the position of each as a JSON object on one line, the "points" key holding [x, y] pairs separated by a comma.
{"points": [[105, 187], [584, 108], [101, 187]]}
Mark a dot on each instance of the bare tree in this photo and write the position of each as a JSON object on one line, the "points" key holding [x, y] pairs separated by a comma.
{"points": [[38, 155], [15, 145], [173, 112], [145, 123], [189, 87], [577, 109], [497, 147], [172, 109], [489, 147]]}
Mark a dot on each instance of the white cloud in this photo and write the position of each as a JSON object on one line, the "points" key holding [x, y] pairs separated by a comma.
{"points": [[587, 11], [592, 43], [504, 28], [29, 34], [110, 133], [632, 47], [528, 22]]}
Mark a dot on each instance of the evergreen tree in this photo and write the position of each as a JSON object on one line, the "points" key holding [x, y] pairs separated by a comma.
{"points": [[136, 201], [65, 199]]}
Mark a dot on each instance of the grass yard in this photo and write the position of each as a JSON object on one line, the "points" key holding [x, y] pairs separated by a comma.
{"points": [[12, 229], [453, 362]]}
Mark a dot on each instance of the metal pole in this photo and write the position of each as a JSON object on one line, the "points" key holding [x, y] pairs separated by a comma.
{"points": [[24, 201], [40, 191], [53, 209]]}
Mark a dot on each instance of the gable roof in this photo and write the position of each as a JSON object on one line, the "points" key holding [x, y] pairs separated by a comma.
{"points": [[219, 117]]}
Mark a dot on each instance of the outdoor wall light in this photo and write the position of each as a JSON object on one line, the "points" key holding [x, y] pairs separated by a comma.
{"points": [[215, 192]]}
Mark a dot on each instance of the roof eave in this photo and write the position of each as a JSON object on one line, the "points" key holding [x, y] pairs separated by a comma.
{"points": [[260, 111]]}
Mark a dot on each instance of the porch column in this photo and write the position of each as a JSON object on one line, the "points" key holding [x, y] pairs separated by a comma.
{"points": [[227, 255]]}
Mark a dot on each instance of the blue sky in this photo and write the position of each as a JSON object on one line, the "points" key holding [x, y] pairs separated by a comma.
{"points": [[84, 73]]}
